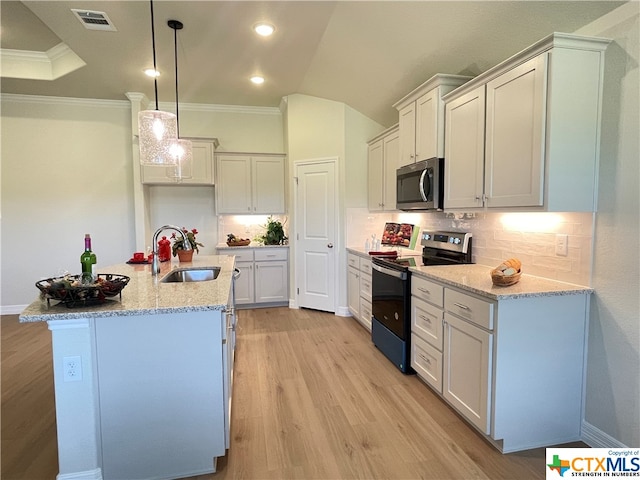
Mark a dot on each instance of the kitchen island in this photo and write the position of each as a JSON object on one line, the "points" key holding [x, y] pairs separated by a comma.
{"points": [[143, 383]]}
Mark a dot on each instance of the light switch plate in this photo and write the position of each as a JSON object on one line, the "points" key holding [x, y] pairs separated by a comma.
{"points": [[562, 244]]}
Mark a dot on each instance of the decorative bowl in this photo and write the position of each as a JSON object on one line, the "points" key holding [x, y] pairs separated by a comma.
{"points": [[72, 292], [238, 243]]}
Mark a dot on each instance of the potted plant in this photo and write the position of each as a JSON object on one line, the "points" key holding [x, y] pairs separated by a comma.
{"points": [[178, 244], [274, 234]]}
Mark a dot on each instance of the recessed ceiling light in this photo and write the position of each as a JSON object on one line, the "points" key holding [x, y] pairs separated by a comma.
{"points": [[150, 72], [257, 79], [264, 29]]}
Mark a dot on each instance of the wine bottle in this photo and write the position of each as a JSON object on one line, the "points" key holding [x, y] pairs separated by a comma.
{"points": [[88, 260]]}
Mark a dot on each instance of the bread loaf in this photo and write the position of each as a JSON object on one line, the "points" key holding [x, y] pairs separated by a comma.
{"points": [[511, 263]]}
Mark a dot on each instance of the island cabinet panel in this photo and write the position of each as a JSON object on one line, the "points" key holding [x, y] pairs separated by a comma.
{"points": [[163, 411]]}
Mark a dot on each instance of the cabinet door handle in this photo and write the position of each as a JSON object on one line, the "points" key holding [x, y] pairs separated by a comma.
{"points": [[425, 359], [460, 305], [330, 245]]}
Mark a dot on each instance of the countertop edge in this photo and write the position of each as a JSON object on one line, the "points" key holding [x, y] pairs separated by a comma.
{"points": [[145, 295], [488, 290]]}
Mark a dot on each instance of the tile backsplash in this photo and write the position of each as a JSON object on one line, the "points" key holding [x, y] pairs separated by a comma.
{"points": [[246, 226], [531, 237]]}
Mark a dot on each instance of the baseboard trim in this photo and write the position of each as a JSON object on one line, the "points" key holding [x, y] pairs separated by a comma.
{"points": [[596, 438], [343, 312], [12, 309], [95, 474]]}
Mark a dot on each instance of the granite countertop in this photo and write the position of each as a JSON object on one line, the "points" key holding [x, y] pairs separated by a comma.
{"points": [[252, 245], [477, 279], [144, 294]]}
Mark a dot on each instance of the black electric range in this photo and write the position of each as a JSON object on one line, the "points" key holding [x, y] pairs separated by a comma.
{"points": [[391, 290]]}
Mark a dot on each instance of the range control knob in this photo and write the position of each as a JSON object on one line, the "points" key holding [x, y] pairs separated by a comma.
{"points": [[456, 241]]}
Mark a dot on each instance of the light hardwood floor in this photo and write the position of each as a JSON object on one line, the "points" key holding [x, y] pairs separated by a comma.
{"points": [[313, 398]]}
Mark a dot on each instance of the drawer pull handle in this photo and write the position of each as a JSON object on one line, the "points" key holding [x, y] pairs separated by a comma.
{"points": [[424, 290], [425, 359], [426, 319], [460, 305], [271, 255]]}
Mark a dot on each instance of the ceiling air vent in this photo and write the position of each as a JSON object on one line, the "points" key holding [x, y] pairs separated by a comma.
{"points": [[94, 20]]}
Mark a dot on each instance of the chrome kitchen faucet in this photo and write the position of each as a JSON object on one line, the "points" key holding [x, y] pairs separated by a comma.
{"points": [[155, 263]]}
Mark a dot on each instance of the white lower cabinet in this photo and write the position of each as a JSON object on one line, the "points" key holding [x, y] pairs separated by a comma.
{"points": [[495, 360], [467, 370], [359, 288], [264, 275], [426, 331]]}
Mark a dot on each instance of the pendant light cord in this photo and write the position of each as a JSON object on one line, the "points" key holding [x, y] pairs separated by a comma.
{"points": [[175, 59], [176, 25], [153, 44]]}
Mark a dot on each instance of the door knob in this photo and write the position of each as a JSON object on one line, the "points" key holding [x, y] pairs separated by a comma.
{"points": [[330, 245]]}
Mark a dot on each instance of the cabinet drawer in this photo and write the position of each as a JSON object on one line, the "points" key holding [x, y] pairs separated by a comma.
{"points": [[427, 362], [269, 253], [426, 322], [426, 290], [365, 265], [353, 261], [241, 254], [365, 312], [470, 308], [365, 285]]}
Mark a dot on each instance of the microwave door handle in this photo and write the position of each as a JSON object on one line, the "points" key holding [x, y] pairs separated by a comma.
{"points": [[422, 194]]}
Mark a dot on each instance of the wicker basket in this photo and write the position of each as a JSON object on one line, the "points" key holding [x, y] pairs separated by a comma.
{"points": [[239, 243], [505, 280]]}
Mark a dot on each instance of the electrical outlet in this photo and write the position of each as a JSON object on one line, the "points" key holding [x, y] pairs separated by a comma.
{"points": [[72, 368], [562, 247]]}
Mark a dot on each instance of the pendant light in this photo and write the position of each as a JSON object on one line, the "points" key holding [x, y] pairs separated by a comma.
{"points": [[157, 130], [181, 149]]}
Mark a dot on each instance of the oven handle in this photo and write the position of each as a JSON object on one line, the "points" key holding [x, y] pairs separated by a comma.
{"points": [[388, 271]]}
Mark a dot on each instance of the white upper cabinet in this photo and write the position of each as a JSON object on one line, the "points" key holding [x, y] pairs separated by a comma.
{"points": [[202, 166], [464, 158], [421, 119], [382, 165], [250, 184], [515, 129], [540, 127]]}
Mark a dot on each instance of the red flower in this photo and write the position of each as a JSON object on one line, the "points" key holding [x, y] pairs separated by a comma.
{"points": [[195, 231]]}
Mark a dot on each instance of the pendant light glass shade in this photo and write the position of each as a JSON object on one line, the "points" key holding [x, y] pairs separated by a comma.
{"points": [[158, 132], [182, 152], [181, 149]]}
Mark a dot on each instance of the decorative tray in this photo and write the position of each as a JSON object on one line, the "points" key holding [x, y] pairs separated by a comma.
{"points": [[239, 243], [72, 292]]}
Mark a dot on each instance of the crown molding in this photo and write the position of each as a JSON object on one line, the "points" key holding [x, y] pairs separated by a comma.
{"points": [[69, 101], [32, 65], [202, 107]]}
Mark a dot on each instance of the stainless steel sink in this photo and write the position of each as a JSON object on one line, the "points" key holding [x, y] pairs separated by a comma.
{"points": [[194, 274]]}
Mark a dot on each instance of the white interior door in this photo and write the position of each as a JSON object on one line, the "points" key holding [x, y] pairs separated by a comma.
{"points": [[316, 252]]}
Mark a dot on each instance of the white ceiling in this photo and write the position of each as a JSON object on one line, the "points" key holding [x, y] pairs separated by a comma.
{"points": [[365, 54]]}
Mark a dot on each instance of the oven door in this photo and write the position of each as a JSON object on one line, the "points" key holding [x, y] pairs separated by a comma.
{"points": [[389, 298]]}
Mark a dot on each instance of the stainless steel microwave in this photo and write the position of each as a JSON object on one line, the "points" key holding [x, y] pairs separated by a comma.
{"points": [[420, 186]]}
